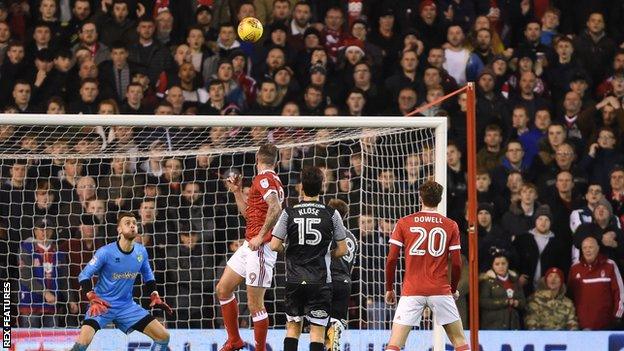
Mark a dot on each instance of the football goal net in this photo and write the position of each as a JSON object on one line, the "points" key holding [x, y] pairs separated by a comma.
{"points": [[65, 178]]}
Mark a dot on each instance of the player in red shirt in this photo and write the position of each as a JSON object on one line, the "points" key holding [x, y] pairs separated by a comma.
{"points": [[253, 262], [429, 239]]}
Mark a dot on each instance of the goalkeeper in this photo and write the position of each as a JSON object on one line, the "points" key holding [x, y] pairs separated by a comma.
{"points": [[117, 265]]}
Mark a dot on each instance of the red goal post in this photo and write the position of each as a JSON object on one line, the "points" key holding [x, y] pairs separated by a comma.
{"points": [[473, 254]]}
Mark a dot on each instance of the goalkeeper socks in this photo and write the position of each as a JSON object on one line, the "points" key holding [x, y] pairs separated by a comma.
{"points": [[291, 344], [261, 328], [79, 347], [464, 347], [229, 310], [392, 348], [316, 346], [160, 345]]}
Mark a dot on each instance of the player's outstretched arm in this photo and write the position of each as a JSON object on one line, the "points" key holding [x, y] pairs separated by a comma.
{"points": [[273, 213], [235, 185]]}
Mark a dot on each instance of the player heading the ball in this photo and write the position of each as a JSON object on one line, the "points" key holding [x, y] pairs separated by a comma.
{"points": [[253, 262], [309, 228], [428, 239], [117, 265]]}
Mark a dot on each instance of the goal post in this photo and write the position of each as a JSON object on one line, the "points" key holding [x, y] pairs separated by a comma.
{"points": [[389, 149]]}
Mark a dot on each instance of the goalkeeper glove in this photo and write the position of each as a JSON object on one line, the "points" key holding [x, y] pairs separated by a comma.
{"points": [[157, 302], [98, 306]]}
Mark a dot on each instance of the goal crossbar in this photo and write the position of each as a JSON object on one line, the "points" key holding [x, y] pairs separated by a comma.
{"points": [[224, 121]]}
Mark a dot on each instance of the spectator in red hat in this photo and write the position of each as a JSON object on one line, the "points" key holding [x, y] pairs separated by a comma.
{"points": [[549, 308], [348, 57], [359, 30]]}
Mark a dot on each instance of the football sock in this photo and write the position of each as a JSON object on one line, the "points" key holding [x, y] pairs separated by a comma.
{"points": [[261, 328], [464, 347], [290, 344], [229, 310], [160, 345], [316, 346], [79, 347], [392, 348]]}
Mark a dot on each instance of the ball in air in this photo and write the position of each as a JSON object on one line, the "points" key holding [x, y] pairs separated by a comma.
{"points": [[250, 29]]}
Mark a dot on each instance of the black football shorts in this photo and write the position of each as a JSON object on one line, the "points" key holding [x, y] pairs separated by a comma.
{"points": [[309, 301]]}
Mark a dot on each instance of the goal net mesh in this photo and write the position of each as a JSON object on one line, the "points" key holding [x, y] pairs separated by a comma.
{"points": [[62, 187]]}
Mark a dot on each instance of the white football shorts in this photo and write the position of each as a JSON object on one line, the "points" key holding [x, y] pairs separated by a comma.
{"points": [[255, 266], [410, 309]]}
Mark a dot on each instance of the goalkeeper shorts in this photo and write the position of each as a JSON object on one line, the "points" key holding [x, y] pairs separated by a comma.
{"points": [[123, 317]]}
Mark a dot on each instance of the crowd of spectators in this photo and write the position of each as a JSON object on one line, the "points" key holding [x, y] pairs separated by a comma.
{"points": [[549, 77]]}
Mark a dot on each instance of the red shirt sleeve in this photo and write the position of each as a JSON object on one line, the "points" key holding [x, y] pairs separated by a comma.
{"points": [[454, 250], [454, 241], [391, 263], [266, 186], [397, 235], [396, 243]]}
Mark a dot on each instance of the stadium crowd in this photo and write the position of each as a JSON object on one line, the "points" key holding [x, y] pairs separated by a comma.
{"points": [[550, 87]]}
